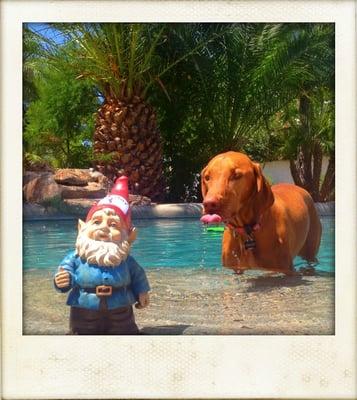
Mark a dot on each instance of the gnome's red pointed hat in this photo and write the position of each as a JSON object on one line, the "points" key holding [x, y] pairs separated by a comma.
{"points": [[117, 200]]}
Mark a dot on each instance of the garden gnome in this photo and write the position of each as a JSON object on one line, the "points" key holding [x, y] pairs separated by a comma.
{"points": [[105, 281]]}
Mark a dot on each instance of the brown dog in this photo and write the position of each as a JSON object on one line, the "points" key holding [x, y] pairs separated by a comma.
{"points": [[266, 227]]}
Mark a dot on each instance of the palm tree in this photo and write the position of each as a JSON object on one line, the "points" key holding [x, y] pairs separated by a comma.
{"points": [[310, 118], [307, 127], [124, 63], [32, 56], [243, 79], [265, 67]]}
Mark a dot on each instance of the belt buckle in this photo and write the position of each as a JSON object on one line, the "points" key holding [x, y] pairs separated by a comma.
{"points": [[103, 290]]}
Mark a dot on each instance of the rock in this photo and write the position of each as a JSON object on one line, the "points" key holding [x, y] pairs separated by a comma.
{"points": [[136, 200], [73, 177], [80, 177], [97, 176], [36, 165], [40, 187], [70, 184], [93, 190], [29, 175]]}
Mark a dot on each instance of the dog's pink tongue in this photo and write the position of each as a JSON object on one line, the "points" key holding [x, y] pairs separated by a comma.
{"points": [[211, 219]]}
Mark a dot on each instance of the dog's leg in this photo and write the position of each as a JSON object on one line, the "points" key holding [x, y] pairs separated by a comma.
{"points": [[291, 271], [231, 252]]}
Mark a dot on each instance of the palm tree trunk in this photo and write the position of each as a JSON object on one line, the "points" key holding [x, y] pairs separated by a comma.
{"points": [[298, 169], [68, 150], [317, 167], [328, 185], [307, 167], [295, 173], [305, 111], [127, 141]]}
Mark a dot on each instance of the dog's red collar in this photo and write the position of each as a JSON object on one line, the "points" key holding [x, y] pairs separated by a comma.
{"points": [[247, 229]]}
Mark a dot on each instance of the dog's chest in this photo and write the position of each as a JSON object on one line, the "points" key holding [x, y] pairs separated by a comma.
{"points": [[254, 250]]}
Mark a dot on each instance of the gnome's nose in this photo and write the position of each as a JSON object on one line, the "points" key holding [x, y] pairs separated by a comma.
{"points": [[103, 233], [104, 228]]}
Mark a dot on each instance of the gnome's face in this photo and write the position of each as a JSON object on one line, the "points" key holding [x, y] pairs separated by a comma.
{"points": [[106, 226], [104, 239]]}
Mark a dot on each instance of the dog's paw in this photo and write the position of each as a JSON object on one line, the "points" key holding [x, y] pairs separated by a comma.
{"points": [[238, 271], [307, 271]]}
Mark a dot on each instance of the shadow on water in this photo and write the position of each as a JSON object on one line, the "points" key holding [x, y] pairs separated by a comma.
{"points": [[164, 330]]}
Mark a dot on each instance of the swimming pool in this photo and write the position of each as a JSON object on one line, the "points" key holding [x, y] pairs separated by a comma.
{"points": [[179, 243]]}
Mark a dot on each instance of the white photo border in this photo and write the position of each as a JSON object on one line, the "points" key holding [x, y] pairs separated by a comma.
{"points": [[37, 367]]}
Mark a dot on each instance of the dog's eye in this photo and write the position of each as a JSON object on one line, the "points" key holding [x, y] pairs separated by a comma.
{"points": [[207, 178], [236, 175]]}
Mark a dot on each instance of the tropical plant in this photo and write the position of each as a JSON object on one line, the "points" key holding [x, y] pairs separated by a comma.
{"points": [[310, 119], [123, 62], [227, 94], [60, 122], [31, 64], [222, 87], [307, 134]]}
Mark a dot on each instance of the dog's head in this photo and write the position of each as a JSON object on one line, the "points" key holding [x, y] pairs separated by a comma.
{"points": [[233, 185]]}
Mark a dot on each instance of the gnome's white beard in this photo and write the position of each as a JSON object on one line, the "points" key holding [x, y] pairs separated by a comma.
{"points": [[108, 254]]}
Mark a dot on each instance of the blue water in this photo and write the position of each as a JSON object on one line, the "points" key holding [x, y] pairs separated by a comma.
{"points": [[160, 243]]}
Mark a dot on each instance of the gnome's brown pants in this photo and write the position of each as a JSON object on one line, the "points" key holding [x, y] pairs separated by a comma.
{"points": [[119, 321]]}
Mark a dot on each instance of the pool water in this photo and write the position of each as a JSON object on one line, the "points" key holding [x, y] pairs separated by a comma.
{"points": [[176, 243]]}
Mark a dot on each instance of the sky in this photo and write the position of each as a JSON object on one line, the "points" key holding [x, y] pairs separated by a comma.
{"points": [[47, 31]]}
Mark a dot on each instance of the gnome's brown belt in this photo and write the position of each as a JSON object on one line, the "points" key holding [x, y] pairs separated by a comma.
{"points": [[102, 290]]}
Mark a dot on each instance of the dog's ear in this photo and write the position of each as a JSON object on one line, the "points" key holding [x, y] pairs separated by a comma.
{"points": [[264, 197], [203, 183]]}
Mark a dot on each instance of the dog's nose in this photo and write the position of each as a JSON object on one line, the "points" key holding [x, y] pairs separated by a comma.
{"points": [[211, 205]]}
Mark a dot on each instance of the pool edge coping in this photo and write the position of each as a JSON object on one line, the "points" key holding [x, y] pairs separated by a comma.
{"points": [[154, 211]]}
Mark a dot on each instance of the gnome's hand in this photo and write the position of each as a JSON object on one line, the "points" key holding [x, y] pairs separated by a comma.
{"points": [[143, 300], [62, 278]]}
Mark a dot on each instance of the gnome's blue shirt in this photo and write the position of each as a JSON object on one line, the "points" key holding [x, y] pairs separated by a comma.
{"points": [[128, 280]]}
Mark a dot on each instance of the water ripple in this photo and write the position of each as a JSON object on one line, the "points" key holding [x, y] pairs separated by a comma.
{"points": [[179, 243]]}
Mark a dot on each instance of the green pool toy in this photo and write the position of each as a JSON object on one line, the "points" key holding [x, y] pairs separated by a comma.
{"points": [[215, 228]]}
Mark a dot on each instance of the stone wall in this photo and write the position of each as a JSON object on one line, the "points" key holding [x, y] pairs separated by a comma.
{"points": [[44, 187], [71, 193]]}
